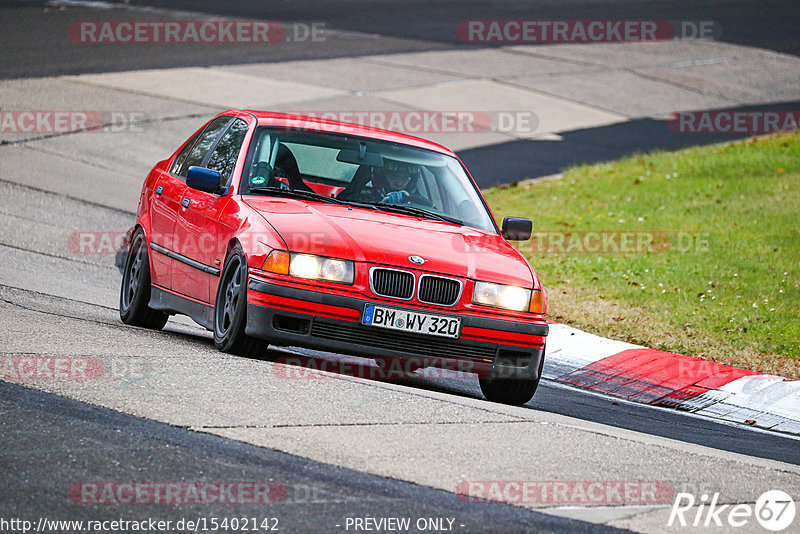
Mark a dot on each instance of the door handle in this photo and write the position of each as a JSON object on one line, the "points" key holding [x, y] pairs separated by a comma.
{"points": [[185, 202], [159, 189]]}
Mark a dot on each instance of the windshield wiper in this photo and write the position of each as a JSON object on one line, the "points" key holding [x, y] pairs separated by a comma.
{"points": [[411, 210], [302, 193], [295, 193]]}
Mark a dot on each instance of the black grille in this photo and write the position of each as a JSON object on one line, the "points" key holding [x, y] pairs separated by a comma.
{"points": [[391, 283], [436, 290], [426, 346]]}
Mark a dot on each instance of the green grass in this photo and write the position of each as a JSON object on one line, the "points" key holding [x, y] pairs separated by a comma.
{"points": [[727, 288]]}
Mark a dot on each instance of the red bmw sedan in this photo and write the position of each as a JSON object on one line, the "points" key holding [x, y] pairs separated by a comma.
{"points": [[280, 229]]}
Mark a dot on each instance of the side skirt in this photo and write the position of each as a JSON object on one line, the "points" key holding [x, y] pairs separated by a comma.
{"points": [[166, 301]]}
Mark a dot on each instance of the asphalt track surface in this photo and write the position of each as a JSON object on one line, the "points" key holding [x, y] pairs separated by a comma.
{"points": [[72, 440], [33, 45], [364, 26], [57, 303]]}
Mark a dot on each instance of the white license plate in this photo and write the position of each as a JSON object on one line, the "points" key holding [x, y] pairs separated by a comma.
{"points": [[411, 321]]}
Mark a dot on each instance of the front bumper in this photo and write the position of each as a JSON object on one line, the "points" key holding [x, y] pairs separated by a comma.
{"points": [[297, 317]]}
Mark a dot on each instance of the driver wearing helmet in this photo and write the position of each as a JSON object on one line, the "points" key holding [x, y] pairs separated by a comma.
{"points": [[396, 178]]}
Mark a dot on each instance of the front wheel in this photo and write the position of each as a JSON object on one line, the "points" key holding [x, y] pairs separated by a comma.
{"points": [[514, 391], [230, 309], [134, 294]]}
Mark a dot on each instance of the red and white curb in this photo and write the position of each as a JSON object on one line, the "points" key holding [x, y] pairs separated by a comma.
{"points": [[659, 378]]}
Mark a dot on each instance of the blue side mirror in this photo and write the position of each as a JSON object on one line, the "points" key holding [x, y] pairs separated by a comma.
{"points": [[203, 179]]}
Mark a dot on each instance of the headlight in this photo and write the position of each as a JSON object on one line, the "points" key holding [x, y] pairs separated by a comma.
{"points": [[501, 296], [310, 266]]}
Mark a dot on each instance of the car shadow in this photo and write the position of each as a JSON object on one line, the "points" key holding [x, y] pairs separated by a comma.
{"points": [[551, 397], [563, 400], [303, 363]]}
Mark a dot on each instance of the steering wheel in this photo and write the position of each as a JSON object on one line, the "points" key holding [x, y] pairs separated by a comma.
{"points": [[419, 199]]}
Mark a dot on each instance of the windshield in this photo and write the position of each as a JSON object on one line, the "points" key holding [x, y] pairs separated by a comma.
{"points": [[357, 170]]}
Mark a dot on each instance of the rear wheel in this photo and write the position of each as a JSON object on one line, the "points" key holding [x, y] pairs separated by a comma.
{"points": [[515, 391], [134, 294], [230, 310]]}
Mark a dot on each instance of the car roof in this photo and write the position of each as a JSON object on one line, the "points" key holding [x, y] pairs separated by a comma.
{"points": [[269, 118]]}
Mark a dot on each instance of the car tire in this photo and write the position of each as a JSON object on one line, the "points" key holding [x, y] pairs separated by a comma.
{"points": [[514, 391], [134, 295], [230, 309]]}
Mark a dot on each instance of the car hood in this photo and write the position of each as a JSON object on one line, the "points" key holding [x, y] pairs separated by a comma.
{"points": [[385, 238]]}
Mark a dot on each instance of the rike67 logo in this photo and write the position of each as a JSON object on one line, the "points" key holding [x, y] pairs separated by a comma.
{"points": [[774, 510]]}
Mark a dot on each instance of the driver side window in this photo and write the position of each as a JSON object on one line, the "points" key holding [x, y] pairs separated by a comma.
{"points": [[225, 154], [195, 153]]}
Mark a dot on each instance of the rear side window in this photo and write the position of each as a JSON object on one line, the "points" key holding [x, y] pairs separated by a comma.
{"points": [[198, 150], [224, 156]]}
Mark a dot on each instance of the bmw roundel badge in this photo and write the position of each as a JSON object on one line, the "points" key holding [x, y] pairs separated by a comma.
{"points": [[416, 260]]}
